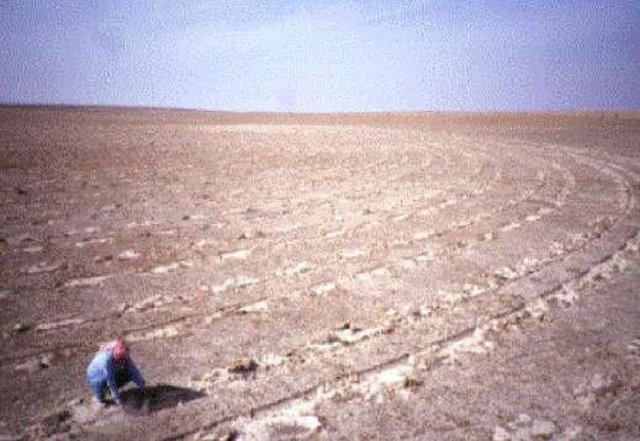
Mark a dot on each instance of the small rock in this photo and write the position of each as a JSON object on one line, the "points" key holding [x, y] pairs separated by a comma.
{"points": [[166, 332], [418, 311], [32, 249], [473, 290], [300, 268], [163, 269], [412, 382], [523, 420], [500, 434], [392, 312], [248, 234], [211, 318], [109, 207], [128, 255], [20, 328], [570, 433], [244, 367], [203, 243], [32, 365], [87, 281], [422, 235], [75, 402], [489, 236], [46, 361], [333, 234], [537, 310], [96, 241], [323, 288], [260, 306], [244, 281], [602, 386], [5, 293], [231, 435], [44, 267], [352, 253], [223, 287], [58, 324], [272, 360], [506, 273], [543, 429], [25, 238], [235, 254]]}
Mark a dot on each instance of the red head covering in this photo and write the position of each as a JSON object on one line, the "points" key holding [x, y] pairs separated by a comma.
{"points": [[120, 349]]}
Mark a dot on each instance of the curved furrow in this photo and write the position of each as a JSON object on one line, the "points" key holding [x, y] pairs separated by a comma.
{"points": [[334, 263], [440, 346], [180, 318], [182, 314]]}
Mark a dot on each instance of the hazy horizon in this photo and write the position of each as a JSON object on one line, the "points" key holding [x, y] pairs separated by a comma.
{"points": [[342, 56]]}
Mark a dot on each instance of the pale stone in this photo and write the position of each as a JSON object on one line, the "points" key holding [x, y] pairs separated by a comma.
{"points": [[543, 429], [5, 293], [163, 269], [58, 324], [128, 255], [261, 306], [87, 281], [323, 288], [500, 434]]}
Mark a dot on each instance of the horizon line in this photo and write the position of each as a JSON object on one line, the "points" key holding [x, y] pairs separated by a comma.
{"points": [[336, 112]]}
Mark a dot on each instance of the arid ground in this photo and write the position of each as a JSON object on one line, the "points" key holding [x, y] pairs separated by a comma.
{"points": [[376, 276]]}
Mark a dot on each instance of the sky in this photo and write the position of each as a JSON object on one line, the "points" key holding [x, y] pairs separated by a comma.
{"points": [[322, 55]]}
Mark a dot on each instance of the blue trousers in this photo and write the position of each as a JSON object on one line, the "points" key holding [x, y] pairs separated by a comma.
{"points": [[98, 388]]}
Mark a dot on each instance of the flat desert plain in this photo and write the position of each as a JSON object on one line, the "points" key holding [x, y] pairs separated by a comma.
{"points": [[422, 276]]}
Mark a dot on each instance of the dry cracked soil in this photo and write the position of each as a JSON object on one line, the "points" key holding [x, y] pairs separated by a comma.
{"points": [[352, 276]]}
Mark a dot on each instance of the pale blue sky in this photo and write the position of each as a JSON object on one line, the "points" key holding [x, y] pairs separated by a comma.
{"points": [[322, 55]]}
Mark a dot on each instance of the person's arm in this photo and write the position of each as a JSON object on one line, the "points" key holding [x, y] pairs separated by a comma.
{"points": [[111, 382], [135, 374]]}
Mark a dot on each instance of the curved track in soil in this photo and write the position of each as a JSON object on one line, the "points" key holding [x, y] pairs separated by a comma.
{"points": [[285, 267]]}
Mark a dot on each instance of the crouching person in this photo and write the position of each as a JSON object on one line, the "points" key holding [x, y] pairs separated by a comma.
{"points": [[112, 368]]}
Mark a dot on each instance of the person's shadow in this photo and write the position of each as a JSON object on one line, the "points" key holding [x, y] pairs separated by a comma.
{"points": [[156, 398]]}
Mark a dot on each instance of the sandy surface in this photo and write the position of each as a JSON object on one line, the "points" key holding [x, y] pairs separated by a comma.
{"points": [[390, 276]]}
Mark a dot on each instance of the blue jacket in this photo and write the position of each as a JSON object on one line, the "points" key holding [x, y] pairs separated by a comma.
{"points": [[103, 369]]}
